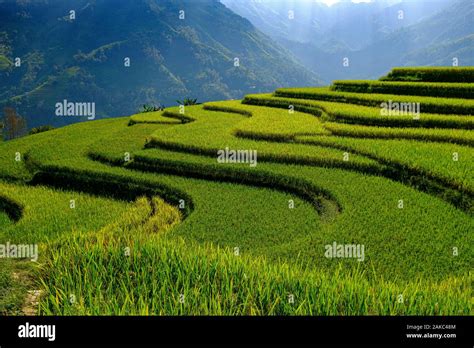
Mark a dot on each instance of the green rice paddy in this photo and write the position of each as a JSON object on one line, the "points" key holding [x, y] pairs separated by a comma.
{"points": [[138, 216]]}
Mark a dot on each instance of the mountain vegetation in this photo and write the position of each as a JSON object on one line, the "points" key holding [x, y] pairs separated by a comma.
{"points": [[123, 54]]}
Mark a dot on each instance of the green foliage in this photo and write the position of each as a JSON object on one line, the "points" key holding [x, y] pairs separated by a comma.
{"points": [[157, 117], [5, 63], [49, 211], [455, 136], [177, 116], [151, 108], [433, 89], [187, 101], [14, 283], [199, 137], [429, 159], [159, 191], [431, 74], [428, 104], [40, 129], [118, 89], [355, 114], [167, 277]]}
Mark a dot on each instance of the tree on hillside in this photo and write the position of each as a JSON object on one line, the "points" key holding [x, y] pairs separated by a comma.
{"points": [[14, 125], [40, 129]]}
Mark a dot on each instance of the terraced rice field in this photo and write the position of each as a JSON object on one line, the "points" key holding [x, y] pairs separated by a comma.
{"points": [[138, 215]]}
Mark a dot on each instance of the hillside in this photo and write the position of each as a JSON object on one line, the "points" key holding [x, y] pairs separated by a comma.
{"points": [[329, 195], [371, 36], [83, 59], [354, 25]]}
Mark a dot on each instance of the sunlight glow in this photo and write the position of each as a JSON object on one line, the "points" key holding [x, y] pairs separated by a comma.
{"points": [[329, 2], [332, 2]]}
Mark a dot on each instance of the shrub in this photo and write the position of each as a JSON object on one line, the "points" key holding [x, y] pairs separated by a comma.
{"points": [[40, 129], [187, 101], [151, 108]]}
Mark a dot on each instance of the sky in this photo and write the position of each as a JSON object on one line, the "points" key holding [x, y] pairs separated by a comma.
{"points": [[332, 2]]}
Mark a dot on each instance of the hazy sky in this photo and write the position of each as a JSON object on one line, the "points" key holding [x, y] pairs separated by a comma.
{"points": [[332, 2]]}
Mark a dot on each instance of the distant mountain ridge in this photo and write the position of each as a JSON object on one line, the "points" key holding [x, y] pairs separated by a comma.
{"points": [[205, 52], [374, 37]]}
